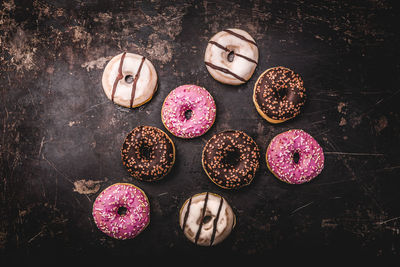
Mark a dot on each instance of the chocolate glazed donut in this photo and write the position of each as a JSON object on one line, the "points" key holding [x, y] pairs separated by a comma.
{"points": [[231, 159], [148, 153], [279, 94]]}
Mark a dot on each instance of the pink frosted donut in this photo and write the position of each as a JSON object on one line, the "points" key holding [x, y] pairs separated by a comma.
{"points": [[188, 111], [121, 211], [295, 157]]}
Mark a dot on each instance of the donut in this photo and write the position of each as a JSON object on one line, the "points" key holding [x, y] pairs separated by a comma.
{"points": [[295, 157], [129, 80], [188, 111], [206, 219], [279, 94], [121, 211], [231, 56], [148, 153], [231, 159]]}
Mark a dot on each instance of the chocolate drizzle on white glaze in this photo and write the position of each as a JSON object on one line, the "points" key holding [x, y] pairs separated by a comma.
{"points": [[240, 36], [119, 76], [216, 221], [186, 214], [135, 81], [207, 219], [224, 70], [229, 51], [201, 219]]}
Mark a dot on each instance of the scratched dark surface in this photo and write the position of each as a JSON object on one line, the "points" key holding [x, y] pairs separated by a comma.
{"points": [[61, 137]]}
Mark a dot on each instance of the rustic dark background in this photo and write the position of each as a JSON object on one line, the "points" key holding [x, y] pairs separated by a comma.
{"points": [[60, 136]]}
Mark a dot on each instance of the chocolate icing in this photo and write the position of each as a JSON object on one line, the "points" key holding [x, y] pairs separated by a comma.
{"points": [[148, 153], [279, 93], [231, 159]]}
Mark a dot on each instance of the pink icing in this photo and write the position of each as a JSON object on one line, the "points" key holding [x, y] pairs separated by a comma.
{"points": [[182, 99], [128, 225], [280, 157]]}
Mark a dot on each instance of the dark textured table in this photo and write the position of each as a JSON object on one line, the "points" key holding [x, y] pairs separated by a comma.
{"points": [[60, 136]]}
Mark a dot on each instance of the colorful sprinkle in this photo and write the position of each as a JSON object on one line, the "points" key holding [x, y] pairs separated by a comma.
{"points": [[186, 98], [280, 157], [126, 225]]}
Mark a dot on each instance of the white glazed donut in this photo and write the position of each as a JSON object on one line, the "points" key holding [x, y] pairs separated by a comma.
{"points": [[129, 80], [231, 56], [206, 219]]}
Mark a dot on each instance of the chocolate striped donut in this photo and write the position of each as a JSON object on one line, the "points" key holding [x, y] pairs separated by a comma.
{"points": [[231, 56], [206, 219], [129, 80]]}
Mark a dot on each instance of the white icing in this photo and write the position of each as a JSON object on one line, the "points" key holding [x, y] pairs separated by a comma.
{"points": [[224, 224], [240, 66], [146, 84]]}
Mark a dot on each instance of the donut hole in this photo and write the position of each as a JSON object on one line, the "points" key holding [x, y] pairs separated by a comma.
{"points": [[188, 114], [145, 151], [296, 157], [207, 219], [282, 91], [122, 211], [231, 56], [129, 78], [231, 157]]}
